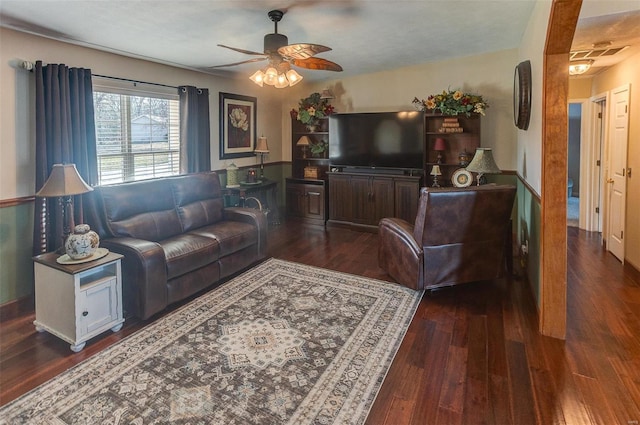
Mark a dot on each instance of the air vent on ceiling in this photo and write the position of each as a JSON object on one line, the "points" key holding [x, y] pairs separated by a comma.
{"points": [[595, 53]]}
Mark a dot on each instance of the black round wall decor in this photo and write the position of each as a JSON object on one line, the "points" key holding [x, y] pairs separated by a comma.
{"points": [[522, 95]]}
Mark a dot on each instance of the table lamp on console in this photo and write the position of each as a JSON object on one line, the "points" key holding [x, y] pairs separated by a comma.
{"points": [[436, 173], [63, 183], [262, 149], [304, 142], [439, 146], [483, 163]]}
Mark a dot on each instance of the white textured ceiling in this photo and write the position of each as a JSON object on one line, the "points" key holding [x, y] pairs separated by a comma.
{"points": [[366, 35]]}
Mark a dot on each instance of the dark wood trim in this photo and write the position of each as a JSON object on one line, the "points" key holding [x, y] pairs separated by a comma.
{"points": [[17, 308], [5, 203], [563, 19], [531, 190]]}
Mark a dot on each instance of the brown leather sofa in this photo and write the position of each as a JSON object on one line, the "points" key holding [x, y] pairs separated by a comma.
{"points": [[176, 236], [459, 235]]}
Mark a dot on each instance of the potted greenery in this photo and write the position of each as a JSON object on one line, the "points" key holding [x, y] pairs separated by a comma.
{"points": [[319, 148]]}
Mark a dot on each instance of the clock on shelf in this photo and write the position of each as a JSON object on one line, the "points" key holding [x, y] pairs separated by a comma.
{"points": [[522, 95]]}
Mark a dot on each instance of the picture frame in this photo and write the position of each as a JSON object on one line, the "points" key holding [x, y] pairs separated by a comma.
{"points": [[237, 125]]}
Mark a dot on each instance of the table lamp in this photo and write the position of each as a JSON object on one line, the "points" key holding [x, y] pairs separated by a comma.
{"points": [[304, 142], [262, 149], [64, 182], [436, 173], [483, 163], [439, 146]]}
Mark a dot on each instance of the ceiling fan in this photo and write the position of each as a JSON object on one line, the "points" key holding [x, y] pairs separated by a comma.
{"points": [[281, 56]]}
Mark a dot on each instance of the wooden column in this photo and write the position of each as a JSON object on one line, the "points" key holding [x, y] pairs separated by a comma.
{"points": [[553, 291]]}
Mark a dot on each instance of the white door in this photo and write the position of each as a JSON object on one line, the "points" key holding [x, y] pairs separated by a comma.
{"points": [[617, 170]]}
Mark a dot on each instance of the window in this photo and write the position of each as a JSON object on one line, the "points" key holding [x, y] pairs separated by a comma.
{"points": [[137, 134]]}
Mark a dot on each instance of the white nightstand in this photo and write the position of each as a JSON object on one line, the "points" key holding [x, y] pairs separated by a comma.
{"points": [[76, 302]]}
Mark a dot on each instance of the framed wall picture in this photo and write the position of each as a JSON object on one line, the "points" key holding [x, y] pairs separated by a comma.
{"points": [[237, 125]]}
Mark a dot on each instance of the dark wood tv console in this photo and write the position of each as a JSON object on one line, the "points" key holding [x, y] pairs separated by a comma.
{"points": [[361, 199]]}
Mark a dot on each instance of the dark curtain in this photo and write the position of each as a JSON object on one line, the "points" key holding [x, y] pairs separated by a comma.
{"points": [[65, 133], [195, 145]]}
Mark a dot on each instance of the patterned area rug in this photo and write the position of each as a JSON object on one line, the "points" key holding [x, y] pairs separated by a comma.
{"points": [[283, 343]]}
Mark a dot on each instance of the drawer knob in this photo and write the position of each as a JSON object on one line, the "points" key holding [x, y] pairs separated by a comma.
{"points": [[85, 313]]}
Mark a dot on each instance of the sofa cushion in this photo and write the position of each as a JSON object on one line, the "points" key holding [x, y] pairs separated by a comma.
{"points": [[142, 210], [231, 235], [187, 252], [198, 199]]}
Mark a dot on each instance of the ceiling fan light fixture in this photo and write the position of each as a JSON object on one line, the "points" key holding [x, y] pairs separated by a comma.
{"points": [[281, 82], [258, 77], [293, 77], [579, 67], [271, 76]]}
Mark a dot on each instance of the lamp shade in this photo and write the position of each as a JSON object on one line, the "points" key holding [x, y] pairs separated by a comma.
{"points": [[64, 180], [483, 162], [303, 141], [439, 145], [262, 146], [435, 170]]}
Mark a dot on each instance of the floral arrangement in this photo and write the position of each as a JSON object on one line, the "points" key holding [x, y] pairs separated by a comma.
{"points": [[311, 109], [452, 102]]}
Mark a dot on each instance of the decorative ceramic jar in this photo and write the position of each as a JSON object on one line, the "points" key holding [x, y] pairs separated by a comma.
{"points": [[82, 243], [465, 158], [232, 175]]}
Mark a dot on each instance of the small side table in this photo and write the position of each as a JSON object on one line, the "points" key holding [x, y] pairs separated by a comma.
{"points": [[265, 191], [76, 302]]}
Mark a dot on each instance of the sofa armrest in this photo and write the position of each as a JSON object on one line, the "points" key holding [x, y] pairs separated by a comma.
{"points": [[251, 216], [398, 252], [144, 275]]}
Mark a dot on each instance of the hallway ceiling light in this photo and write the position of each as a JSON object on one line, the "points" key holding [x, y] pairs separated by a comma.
{"points": [[579, 67]]}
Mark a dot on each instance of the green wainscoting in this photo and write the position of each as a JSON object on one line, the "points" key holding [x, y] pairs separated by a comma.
{"points": [[529, 229], [16, 236], [16, 240], [526, 218], [16, 230]]}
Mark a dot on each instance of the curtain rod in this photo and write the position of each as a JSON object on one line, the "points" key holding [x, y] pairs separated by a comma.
{"points": [[30, 65]]}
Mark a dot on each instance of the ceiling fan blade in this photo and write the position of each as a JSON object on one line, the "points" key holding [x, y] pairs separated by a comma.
{"points": [[302, 50], [317, 64], [247, 52], [238, 63]]}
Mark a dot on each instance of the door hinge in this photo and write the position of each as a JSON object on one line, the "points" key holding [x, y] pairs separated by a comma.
{"points": [[621, 234], [600, 115], [597, 210], [598, 163]]}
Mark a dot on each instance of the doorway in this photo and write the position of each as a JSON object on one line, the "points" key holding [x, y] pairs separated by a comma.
{"points": [[573, 164]]}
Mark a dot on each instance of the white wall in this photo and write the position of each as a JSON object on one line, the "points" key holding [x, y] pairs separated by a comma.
{"points": [[490, 75], [529, 151], [17, 138]]}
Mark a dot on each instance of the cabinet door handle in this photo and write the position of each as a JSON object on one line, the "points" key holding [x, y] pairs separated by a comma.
{"points": [[85, 313]]}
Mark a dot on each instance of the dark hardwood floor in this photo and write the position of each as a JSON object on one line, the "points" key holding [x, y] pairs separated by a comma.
{"points": [[472, 354]]}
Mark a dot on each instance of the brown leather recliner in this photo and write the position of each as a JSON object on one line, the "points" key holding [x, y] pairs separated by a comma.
{"points": [[460, 235]]}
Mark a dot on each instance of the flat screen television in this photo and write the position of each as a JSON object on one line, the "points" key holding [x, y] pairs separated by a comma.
{"points": [[385, 140]]}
